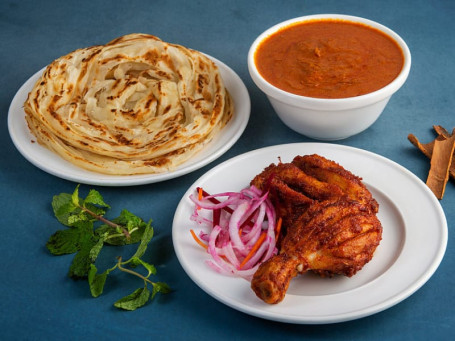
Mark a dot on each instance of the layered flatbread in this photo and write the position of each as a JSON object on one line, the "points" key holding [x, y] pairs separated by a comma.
{"points": [[135, 105]]}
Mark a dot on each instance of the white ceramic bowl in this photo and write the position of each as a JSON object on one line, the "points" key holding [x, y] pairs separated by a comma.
{"points": [[329, 119]]}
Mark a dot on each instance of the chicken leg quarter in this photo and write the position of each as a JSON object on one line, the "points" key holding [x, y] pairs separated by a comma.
{"points": [[329, 221]]}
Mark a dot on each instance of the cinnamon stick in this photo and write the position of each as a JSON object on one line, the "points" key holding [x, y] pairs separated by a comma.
{"points": [[441, 160], [427, 148], [440, 130]]}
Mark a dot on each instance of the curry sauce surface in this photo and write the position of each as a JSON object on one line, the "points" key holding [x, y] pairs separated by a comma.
{"points": [[329, 58]]}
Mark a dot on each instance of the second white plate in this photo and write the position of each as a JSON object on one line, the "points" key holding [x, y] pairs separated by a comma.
{"points": [[413, 244], [55, 165]]}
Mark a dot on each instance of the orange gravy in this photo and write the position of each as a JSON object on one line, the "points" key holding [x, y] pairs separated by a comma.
{"points": [[329, 58]]}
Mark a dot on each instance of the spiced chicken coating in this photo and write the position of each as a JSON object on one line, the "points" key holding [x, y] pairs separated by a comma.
{"points": [[329, 222]]}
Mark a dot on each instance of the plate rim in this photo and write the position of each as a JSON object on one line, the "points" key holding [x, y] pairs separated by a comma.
{"points": [[368, 310], [242, 112]]}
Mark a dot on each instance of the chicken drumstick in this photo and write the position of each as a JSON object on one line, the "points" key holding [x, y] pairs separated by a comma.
{"points": [[330, 223]]}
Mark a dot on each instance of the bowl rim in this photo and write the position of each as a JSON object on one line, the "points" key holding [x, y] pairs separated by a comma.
{"points": [[329, 103]]}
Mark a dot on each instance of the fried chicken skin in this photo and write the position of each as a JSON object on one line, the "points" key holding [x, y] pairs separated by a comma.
{"points": [[331, 172], [328, 232]]}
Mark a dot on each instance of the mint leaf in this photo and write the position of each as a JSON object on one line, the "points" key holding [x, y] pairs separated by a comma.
{"points": [[160, 287], [64, 242], [68, 241], [96, 210], [96, 249], [128, 217], [75, 197], [95, 198], [96, 281], [145, 239], [86, 240], [63, 207], [132, 223], [76, 217], [84, 226], [113, 236], [80, 265], [135, 261], [134, 300]]}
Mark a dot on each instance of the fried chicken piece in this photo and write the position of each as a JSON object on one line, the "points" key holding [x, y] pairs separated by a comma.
{"points": [[289, 203], [331, 172], [293, 190], [298, 180], [327, 234], [332, 237]]}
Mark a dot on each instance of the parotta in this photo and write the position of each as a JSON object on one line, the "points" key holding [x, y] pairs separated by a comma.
{"points": [[135, 105]]}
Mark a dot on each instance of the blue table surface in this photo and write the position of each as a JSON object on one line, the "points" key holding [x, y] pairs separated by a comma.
{"points": [[38, 300]]}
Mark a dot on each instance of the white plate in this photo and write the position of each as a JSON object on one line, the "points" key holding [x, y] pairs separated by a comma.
{"points": [[55, 165], [413, 244]]}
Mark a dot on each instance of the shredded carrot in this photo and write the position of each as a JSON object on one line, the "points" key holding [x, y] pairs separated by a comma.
{"points": [[199, 196], [254, 249], [198, 240], [278, 229]]}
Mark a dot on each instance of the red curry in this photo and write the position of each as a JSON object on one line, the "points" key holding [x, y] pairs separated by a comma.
{"points": [[329, 58]]}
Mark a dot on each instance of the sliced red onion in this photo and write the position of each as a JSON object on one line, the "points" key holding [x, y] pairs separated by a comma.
{"points": [[240, 220], [234, 226], [251, 237], [230, 255]]}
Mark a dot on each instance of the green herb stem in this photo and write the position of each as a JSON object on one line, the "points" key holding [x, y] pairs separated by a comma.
{"points": [[122, 234], [121, 268], [106, 221]]}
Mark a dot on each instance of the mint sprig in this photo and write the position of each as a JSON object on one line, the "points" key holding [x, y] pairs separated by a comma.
{"points": [[88, 231]]}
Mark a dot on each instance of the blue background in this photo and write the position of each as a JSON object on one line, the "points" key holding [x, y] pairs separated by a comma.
{"points": [[38, 300]]}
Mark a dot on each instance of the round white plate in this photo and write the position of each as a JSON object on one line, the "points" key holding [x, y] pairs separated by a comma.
{"points": [[55, 165], [413, 244]]}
